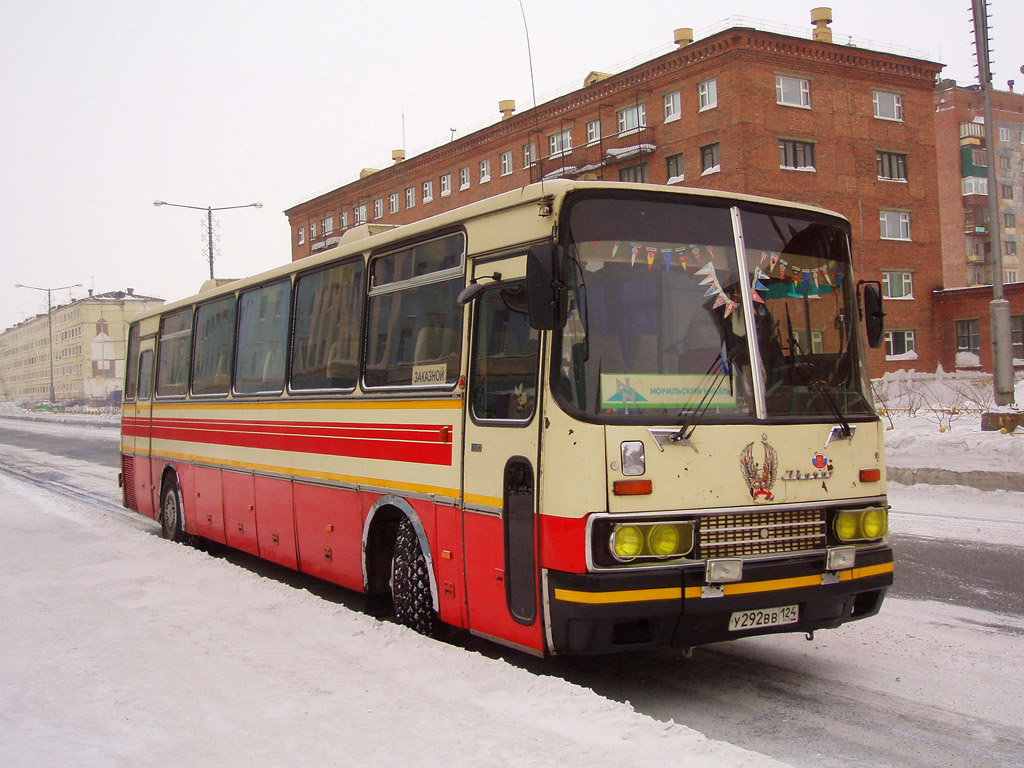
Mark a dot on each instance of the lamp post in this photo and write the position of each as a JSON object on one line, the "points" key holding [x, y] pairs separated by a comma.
{"points": [[209, 220], [49, 324]]}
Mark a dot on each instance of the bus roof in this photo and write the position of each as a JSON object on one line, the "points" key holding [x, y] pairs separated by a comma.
{"points": [[556, 189]]}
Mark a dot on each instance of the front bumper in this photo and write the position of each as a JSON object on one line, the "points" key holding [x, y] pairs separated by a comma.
{"points": [[607, 612]]}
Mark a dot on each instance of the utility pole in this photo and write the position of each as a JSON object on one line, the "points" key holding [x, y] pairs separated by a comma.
{"points": [[999, 308], [209, 220], [49, 325]]}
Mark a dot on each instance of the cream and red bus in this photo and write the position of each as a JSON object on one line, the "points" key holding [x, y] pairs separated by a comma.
{"points": [[576, 418]]}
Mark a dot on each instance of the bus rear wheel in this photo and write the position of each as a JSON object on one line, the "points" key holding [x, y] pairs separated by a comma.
{"points": [[410, 583], [171, 512]]}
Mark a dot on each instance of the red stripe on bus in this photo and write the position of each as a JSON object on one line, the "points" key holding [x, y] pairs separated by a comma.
{"points": [[420, 444]]}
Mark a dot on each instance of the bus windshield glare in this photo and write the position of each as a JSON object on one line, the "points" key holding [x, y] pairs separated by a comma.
{"points": [[657, 331]]}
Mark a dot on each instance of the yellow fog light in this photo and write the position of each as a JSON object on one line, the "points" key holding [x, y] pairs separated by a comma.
{"points": [[627, 542], [663, 540], [874, 523], [846, 525]]}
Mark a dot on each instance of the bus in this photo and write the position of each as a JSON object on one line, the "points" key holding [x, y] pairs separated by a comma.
{"points": [[576, 418]]}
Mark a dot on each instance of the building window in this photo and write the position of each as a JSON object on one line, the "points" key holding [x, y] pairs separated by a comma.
{"points": [[968, 345], [974, 185], [673, 110], [1010, 276], [506, 163], [485, 171], [302, 235], [446, 185], [360, 214], [1009, 221], [463, 178], [1006, 191], [892, 166], [1004, 163], [410, 197], [312, 231], [593, 131], [344, 220], [393, 202], [793, 91], [898, 285], [707, 94], [636, 174], [1004, 135], [1017, 338], [674, 168], [900, 345], [895, 225], [378, 208], [710, 160], [328, 224], [632, 118], [979, 159], [529, 154], [560, 143], [428, 191], [1010, 247], [888, 106], [796, 155]]}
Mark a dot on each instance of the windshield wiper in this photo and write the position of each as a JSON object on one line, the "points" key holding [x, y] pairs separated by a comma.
{"points": [[822, 388], [697, 414]]}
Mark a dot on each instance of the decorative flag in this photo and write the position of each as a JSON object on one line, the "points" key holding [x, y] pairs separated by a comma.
{"points": [[816, 284], [666, 255], [782, 267], [773, 261], [682, 256], [696, 253], [634, 249], [711, 251], [651, 253], [615, 248], [730, 307], [764, 258]]}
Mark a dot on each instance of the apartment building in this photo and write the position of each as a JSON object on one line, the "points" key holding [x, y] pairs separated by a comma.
{"points": [[961, 308], [88, 350], [743, 110]]}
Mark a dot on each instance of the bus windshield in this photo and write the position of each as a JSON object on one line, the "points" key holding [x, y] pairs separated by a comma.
{"points": [[657, 331]]}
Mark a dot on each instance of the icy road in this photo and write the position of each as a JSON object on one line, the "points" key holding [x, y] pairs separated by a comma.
{"points": [[119, 648]]}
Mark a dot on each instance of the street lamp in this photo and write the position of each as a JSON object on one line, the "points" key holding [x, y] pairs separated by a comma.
{"points": [[209, 219], [49, 324]]}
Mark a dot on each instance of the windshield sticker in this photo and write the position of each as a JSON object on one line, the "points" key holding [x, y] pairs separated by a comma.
{"points": [[627, 392]]}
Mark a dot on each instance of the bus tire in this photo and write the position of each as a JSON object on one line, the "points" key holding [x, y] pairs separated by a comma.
{"points": [[410, 583], [171, 512]]}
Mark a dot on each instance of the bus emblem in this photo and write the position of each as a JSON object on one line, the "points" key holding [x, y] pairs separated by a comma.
{"points": [[760, 477], [819, 460]]}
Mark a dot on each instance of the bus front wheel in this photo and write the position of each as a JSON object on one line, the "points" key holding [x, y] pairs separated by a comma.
{"points": [[410, 583], [171, 512]]}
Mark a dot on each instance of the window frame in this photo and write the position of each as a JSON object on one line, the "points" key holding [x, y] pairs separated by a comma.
{"points": [[905, 278], [707, 94], [897, 105], [902, 225], [593, 131], [803, 85], [892, 162], [286, 306], [485, 170], [505, 163], [198, 340], [622, 119], [673, 107], [909, 337], [714, 151], [675, 162], [791, 149]]}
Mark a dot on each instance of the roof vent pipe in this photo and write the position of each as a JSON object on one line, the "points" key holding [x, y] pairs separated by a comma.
{"points": [[506, 107], [684, 36], [398, 155], [821, 18]]}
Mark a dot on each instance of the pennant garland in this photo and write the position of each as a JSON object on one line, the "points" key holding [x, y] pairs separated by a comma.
{"points": [[651, 253]]}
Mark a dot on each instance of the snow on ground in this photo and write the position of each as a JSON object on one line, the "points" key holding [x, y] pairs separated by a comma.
{"points": [[120, 648]]}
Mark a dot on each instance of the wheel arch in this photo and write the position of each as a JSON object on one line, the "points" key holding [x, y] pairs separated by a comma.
{"points": [[379, 543]]}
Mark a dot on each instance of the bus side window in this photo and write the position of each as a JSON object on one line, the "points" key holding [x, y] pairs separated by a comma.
{"points": [[506, 353], [146, 375]]}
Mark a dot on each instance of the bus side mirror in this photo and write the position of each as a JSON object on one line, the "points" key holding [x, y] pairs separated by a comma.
{"points": [[544, 288], [874, 317]]}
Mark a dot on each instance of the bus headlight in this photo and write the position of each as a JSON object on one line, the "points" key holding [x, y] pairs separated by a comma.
{"points": [[662, 541], [861, 524], [627, 542]]}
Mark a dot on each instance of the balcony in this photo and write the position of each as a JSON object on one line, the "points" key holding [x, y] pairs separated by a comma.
{"points": [[972, 133]]}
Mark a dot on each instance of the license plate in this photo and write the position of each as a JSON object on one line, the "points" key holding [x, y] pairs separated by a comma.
{"points": [[763, 617]]}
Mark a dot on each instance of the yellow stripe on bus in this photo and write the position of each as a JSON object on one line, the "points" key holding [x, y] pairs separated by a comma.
{"points": [[622, 596], [234, 405], [746, 588]]}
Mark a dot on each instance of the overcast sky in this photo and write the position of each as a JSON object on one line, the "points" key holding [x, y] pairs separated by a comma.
{"points": [[108, 105]]}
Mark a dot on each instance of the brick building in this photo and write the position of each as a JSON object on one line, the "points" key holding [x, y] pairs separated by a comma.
{"points": [[744, 110], [89, 337], [961, 311]]}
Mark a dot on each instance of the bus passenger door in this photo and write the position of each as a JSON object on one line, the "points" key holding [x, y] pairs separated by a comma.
{"points": [[500, 463]]}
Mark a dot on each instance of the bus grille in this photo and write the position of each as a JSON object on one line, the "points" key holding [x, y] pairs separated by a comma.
{"points": [[128, 482], [761, 533]]}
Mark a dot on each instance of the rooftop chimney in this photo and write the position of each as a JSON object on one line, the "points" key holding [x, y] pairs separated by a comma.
{"points": [[367, 172], [821, 18], [131, 292], [684, 36], [398, 155], [506, 107]]}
